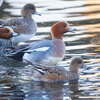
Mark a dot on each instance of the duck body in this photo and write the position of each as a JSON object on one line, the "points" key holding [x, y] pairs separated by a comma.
{"points": [[57, 73], [45, 52], [22, 24], [53, 74], [24, 27]]}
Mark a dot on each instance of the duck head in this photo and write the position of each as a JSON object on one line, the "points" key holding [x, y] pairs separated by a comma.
{"points": [[29, 9], [5, 33], [58, 29], [76, 63]]}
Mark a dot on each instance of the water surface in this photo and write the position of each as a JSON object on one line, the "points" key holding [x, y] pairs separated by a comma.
{"points": [[15, 78]]}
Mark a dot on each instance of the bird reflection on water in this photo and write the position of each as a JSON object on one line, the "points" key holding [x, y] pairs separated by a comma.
{"points": [[13, 87], [51, 91]]}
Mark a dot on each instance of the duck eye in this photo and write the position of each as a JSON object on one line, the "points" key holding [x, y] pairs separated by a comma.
{"points": [[79, 62], [64, 25]]}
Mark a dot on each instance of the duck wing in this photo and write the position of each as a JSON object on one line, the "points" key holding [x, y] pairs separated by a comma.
{"points": [[17, 53], [36, 46], [38, 52], [12, 22], [50, 74]]}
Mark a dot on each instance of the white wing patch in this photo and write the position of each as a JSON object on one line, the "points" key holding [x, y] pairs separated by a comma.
{"points": [[38, 49]]}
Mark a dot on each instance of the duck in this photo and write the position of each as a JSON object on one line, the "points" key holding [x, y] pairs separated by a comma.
{"points": [[48, 52], [24, 26], [58, 73]]}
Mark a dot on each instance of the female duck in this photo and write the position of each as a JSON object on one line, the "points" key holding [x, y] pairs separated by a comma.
{"points": [[58, 73]]}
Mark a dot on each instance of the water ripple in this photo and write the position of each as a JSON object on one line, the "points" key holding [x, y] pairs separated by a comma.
{"points": [[16, 79]]}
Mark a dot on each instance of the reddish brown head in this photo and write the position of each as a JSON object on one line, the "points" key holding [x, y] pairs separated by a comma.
{"points": [[58, 29], [5, 33]]}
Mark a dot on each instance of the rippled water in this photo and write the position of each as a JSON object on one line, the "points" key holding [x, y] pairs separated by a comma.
{"points": [[15, 79]]}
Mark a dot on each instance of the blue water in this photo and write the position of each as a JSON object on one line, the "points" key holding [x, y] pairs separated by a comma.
{"points": [[16, 78]]}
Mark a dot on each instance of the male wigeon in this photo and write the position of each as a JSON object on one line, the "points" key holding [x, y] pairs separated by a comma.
{"points": [[48, 52]]}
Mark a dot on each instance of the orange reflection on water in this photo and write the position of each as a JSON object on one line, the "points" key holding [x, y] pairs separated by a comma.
{"points": [[93, 9], [93, 5], [92, 13], [92, 27]]}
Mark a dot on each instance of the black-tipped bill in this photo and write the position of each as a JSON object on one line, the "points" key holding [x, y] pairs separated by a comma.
{"points": [[72, 29], [37, 13]]}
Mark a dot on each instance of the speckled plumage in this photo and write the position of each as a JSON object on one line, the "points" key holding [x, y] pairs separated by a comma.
{"points": [[57, 73]]}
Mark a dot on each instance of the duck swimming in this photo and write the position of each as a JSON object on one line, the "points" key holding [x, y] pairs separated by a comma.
{"points": [[58, 73]]}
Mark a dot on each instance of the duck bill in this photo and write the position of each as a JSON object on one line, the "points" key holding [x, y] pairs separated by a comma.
{"points": [[83, 66], [72, 29], [37, 13]]}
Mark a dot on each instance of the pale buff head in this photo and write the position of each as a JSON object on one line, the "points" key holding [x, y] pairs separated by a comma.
{"points": [[28, 9], [76, 63]]}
